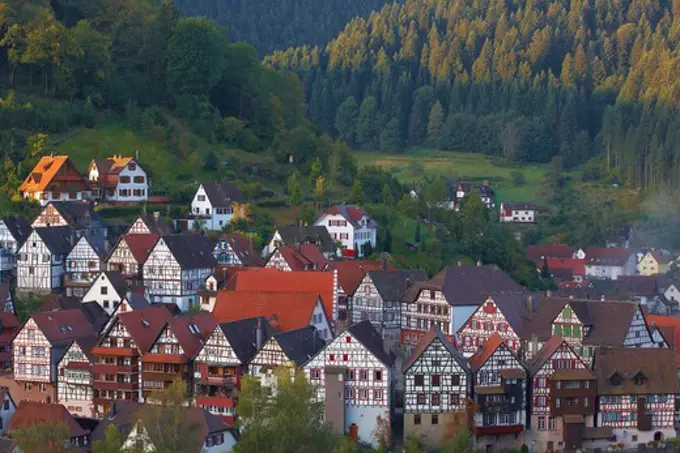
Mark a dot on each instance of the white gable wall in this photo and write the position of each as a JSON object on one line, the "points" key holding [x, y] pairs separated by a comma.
{"points": [[104, 293]]}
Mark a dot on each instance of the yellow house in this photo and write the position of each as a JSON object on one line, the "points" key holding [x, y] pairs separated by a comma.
{"points": [[654, 262]]}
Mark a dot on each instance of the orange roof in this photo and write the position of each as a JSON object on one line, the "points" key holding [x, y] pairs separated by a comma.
{"points": [[480, 357], [52, 170], [276, 281], [285, 311]]}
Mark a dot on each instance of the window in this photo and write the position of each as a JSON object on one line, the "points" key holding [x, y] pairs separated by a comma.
{"points": [[124, 179], [377, 376], [416, 419], [363, 394], [552, 423], [436, 380], [104, 290], [349, 376], [377, 395], [420, 399], [455, 399], [541, 423], [557, 403], [5, 405], [363, 375], [345, 358], [435, 419], [419, 380], [455, 379], [200, 197], [541, 401], [315, 373], [331, 357], [435, 399], [139, 179], [349, 394]]}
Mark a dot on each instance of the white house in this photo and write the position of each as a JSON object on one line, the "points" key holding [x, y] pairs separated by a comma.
{"points": [[353, 376], [213, 205], [118, 178], [40, 264], [176, 268], [108, 289], [351, 226], [517, 212], [13, 233], [610, 262]]}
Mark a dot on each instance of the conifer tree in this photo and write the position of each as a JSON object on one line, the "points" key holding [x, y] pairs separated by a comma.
{"points": [[434, 125]]}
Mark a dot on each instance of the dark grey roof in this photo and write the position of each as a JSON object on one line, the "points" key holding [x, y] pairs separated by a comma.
{"points": [[601, 288], [7, 445], [365, 333], [242, 336], [243, 248], [518, 308], [78, 214], [191, 251], [519, 205], [57, 239], [318, 235], [117, 281], [156, 224], [95, 314], [392, 285], [137, 301], [222, 194], [300, 345], [19, 227]]}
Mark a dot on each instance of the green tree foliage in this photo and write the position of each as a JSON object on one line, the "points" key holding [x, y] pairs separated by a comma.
{"points": [[112, 442], [43, 438], [267, 417], [294, 192], [368, 124], [345, 120]]}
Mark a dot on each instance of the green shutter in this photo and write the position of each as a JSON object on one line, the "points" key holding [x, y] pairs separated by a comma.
{"points": [[567, 312], [577, 331], [558, 330]]}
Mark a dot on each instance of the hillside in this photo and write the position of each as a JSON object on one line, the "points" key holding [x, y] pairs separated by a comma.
{"points": [[277, 24], [526, 80]]}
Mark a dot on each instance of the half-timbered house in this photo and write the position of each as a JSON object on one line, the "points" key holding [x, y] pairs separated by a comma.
{"points": [[172, 354], [129, 254], [176, 268], [234, 249], [353, 376], [378, 299], [150, 224], [107, 289], [39, 346], [78, 215], [289, 349], [74, 378], [221, 362], [55, 178], [350, 275], [500, 382], [306, 257], [437, 391], [13, 234], [302, 234], [83, 264], [129, 303], [636, 390], [31, 413], [117, 369], [285, 311], [562, 397], [40, 265]]}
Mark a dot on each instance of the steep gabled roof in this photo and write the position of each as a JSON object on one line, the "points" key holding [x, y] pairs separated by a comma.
{"points": [[300, 345], [243, 248], [491, 345], [607, 256], [19, 227], [660, 258], [352, 272], [392, 285], [78, 214], [365, 333], [543, 355], [658, 367], [312, 234], [191, 251], [54, 170], [30, 413], [537, 253], [144, 325], [190, 330], [285, 311], [637, 285], [434, 334], [352, 213], [303, 257], [242, 336], [56, 239], [222, 194], [140, 245], [63, 326], [519, 205], [671, 329], [155, 224], [117, 281]]}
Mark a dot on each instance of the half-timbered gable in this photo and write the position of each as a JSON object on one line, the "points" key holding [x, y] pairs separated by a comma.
{"points": [[83, 264], [30, 413], [637, 389], [108, 289], [500, 381], [150, 224], [13, 234], [40, 265], [176, 268], [354, 366], [291, 349], [129, 254], [304, 257], [78, 215], [117, 369], [74, 390], [298, 234], [562, 388], [424, 307], [223, 359], [118, 179], [490, 318], [234, 249]]}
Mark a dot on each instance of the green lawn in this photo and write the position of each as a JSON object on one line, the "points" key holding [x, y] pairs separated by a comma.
{"points": [[412, 166]]}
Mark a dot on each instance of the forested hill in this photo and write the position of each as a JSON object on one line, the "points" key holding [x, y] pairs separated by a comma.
{"points": [[528, 79], [277, 24]]}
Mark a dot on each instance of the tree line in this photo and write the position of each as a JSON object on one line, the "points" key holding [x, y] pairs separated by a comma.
{"points": [[525, 80]]}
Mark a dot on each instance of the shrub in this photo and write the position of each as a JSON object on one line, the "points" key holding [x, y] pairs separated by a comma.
{"points": [[518, 178]]}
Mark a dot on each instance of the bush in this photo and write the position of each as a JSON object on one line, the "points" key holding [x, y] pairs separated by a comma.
{"points": [[518, 178], [272, 202]]}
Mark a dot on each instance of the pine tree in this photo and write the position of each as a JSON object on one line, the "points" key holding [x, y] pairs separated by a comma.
{"points": [[368, 124], [387, 245], [294, 192], [345, 121], [417, 235], [390, 137], [386, 195], [356, 192], [434, 125]]}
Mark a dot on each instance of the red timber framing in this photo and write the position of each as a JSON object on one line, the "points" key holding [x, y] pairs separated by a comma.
{"points": [[486, 321], [117, 356]]}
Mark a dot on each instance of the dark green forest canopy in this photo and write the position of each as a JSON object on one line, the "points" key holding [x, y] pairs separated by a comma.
{"points": [[277, 24], [523, 79]]}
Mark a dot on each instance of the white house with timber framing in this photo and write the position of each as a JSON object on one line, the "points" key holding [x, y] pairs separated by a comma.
{"points": [[40, 263], [83, 264], [13, 234]]}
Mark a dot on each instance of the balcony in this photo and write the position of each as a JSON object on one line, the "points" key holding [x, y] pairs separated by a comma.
{"points": [[162, 376], [114, 351], [110, 385], [105, 368], [216, 401], [218, 380]]}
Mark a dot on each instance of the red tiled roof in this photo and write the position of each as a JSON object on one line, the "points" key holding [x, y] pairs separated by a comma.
{"points": [[145, 325], [575, 265], [192, 342], [30, 413], [351, 273], [536, 253], [285, 311], [140, 245], [62, 326], [480, 357], [612, 256], [276, 281], [303, 257], [542, 356]]}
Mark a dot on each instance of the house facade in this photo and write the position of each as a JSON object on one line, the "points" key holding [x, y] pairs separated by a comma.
{"points": [[437, 391], [83, 264], [517, 212], [40, 262], [351, 226], [78, 215], [213, 205], [234, 249], [150, 224], [302, 234], [353, 376], [610, 263], [306, 257], [107, 289], [74, 382], [55, 178], [118, 179], [129, 254], [13, 233], [654, 263]]}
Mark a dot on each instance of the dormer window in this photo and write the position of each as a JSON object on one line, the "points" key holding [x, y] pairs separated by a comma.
{"points": [[616, 379], [640, 379]]}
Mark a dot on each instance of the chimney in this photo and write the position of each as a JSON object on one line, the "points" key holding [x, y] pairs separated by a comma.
{"points": [[137, 151], [409, 282], [383, 265], [459, 263], [534, 343], [530, 303], [548, 293], [259, 334]]}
